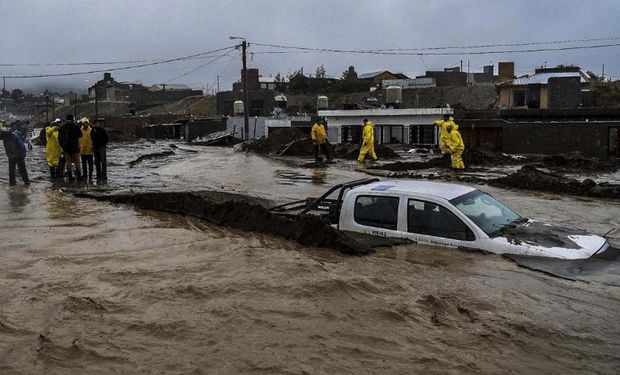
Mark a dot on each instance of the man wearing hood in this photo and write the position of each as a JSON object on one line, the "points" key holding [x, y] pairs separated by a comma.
{"points": [[368, 145], [69, 136], [443, 132], [52, 149], [455, 146], [16, 152]]}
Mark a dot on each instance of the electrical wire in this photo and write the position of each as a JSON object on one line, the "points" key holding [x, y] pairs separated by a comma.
{"points": [[198, 68], [456, 53], [121, 68]]}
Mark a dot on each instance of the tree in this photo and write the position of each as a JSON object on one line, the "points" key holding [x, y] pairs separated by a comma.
{"points": [[320, 72], [17, 94], [349, 73]]}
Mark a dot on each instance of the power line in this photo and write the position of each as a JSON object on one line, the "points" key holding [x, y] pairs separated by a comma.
{"points": [[121, 68], [199, 67], [456, 53]]}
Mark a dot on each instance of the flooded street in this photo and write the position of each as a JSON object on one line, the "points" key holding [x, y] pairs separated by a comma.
{"points": [[98, 288]]}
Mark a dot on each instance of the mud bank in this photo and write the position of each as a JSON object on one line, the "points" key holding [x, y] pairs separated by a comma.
{"points": [[245, 213], [575, 161], [154, 155], [531, 178], [480, 157]]}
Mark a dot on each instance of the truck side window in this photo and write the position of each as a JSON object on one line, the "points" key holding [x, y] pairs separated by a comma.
{"points": [[434, 220], [376, 211]]}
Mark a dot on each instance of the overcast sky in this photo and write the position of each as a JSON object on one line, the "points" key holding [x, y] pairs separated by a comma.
{"points": [[101, 31]]}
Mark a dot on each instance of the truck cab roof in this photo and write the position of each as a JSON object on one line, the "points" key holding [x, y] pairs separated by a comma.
{"points": [[438, 189]]}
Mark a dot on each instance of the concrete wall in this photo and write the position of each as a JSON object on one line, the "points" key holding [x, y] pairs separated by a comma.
{"points": [[448, 78], [564, 92], [225, 100], [196, 128], [474, 97], [588, 137], [236, 125]]}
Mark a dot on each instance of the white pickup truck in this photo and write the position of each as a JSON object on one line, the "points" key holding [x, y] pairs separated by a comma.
{"points": [[446, 215]]}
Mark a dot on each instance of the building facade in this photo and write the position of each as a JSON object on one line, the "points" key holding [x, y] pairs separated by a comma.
{"points": [[412, 126]]}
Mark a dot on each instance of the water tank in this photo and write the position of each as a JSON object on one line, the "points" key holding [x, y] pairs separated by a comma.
{"points": [[372, 102], [280, 101], [393, 96], [322, 103], [238, 107]]}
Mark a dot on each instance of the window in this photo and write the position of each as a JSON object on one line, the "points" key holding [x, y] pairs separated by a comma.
{"points": [[434, 220], [263, 85], [485, 211], [377, 211], [422, 134], [519, 98]]}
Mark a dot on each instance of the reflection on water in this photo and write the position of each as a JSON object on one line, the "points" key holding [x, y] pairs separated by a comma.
{"points": [[17, 197]]}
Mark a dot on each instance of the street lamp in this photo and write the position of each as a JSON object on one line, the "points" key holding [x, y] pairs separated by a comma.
{"points": [[244, 78]]}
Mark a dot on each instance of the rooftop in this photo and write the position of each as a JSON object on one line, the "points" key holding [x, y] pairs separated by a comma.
{"points": [[542, 78], [386, 112], [437, 189]]}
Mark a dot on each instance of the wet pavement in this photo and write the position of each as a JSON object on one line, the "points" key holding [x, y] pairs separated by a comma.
{"points": [[92, 287]]}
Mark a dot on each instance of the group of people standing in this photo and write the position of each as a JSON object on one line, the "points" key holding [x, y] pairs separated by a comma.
{"points": [[450, 141], [76, 147], [318, 135]]}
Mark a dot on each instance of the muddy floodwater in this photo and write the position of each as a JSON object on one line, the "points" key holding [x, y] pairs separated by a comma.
{"points": [[89, 287]]}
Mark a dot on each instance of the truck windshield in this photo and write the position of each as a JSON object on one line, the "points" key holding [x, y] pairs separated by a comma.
{"points": [[486, 212]]}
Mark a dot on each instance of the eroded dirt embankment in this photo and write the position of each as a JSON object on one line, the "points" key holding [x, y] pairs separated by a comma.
{"points": [[531, 178], [242, 212]]}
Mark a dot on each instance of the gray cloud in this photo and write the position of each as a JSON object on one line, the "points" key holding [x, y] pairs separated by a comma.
{"points": [[70, 31]]}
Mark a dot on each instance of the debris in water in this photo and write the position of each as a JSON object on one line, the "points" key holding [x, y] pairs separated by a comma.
{"points": [[155, 155]]}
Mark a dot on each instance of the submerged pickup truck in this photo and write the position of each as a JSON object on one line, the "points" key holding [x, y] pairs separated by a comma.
{"points": [[444, 214]]}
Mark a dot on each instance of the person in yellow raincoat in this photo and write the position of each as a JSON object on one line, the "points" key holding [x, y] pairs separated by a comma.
{"points": [[319, 139], [86, 148], [443, 132], [52, 149], [368, 145], [455, 146]]}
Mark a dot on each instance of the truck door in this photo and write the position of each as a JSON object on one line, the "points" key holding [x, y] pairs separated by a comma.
{"points": [[432, 223]]}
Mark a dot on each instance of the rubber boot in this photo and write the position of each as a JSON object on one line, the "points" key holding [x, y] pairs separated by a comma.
{"points": [[70, 176], [53, 172]]}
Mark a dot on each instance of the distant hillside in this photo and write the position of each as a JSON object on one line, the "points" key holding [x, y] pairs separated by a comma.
{"points": [[198, 106]]}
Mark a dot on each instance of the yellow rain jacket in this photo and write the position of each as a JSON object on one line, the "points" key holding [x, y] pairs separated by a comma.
{"points": [[318, 134], [443, 133], [52, 146], [86, 144], [368, 147], [456, 147]]}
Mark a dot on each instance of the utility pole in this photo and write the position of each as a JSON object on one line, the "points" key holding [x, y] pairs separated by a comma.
{"points": [[3, 83], [603, 74], [47, 108], [218, 83], [246, 104], [75, 106], [244, 79]]}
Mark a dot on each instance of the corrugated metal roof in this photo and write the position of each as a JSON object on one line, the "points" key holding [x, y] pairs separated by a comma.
{"points": [[542, 78], [371, 74]]}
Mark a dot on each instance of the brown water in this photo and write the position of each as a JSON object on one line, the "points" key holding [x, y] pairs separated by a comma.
{"points": [[89, 287]]}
